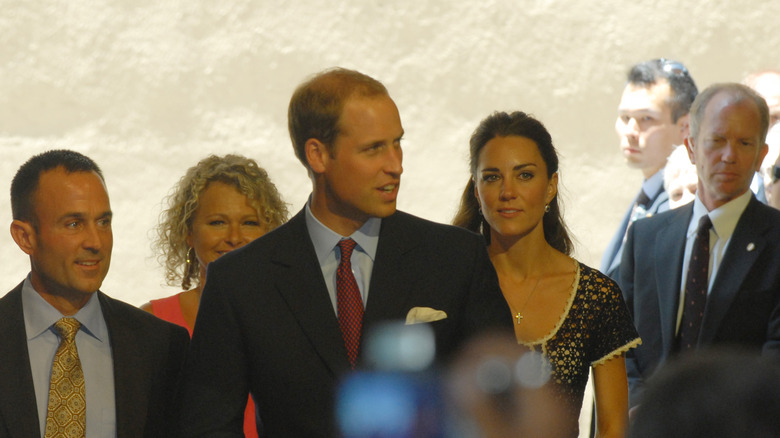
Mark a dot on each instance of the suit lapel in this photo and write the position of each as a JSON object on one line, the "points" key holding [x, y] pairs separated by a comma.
{"points": [[393, 272], [17, 403], [743, 250], [132, 371], [301, 285], [669, 252], [610, 258]]}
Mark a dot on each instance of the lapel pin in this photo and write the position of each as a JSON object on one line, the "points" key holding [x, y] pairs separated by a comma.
{"points": [[751, 246]]}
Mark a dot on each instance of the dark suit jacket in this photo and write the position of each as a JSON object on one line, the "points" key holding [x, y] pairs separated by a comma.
{"points": [[610, 260], [266, 323], [148, 356], [743, 308]]}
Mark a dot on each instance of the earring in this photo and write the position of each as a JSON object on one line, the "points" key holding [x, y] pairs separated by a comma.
{"points": [[547, 208], [190, 257]]}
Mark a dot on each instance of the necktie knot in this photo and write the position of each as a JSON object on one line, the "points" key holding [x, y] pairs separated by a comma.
{"points": [[704, 225], [346, 246], [642, 199], [67, 328]]}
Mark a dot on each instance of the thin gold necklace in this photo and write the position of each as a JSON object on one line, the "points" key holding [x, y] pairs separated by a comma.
{"points": [[519, 314]]}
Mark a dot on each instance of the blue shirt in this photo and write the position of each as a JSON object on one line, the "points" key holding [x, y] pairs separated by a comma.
{"points": [[94, 350], [328, 253]]}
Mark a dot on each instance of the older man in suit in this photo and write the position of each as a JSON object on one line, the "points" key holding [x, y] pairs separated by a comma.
{"points": [[706, 274], [76, 362], [283, 317]]}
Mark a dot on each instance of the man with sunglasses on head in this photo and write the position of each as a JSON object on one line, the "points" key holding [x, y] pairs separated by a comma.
{"points": [[652, 119]]}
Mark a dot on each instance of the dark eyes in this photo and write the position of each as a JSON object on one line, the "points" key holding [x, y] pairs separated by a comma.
{"points": [[78, 223], [491, 177]]}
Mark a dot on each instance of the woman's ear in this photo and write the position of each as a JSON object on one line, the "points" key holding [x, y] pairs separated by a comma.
{"points": [[552, 188]]}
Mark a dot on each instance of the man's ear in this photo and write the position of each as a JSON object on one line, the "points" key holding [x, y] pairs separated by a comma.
{"points": [[23, 234], [688, 141], [684, 123], [317, 154]]}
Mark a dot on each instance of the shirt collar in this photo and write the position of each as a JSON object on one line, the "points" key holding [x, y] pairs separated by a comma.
{"points": [[325, 239], [40, 316], [724, 218], [652, 186]]}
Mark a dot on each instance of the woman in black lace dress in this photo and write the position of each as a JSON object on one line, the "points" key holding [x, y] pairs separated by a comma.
{"points": [[574, 315]]}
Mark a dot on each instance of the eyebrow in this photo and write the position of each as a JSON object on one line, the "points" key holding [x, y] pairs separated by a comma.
{"points": [[78, 215], [518, 167]]}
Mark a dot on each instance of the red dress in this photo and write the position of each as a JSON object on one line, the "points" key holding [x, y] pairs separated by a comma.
{"points": [[169, 309]]}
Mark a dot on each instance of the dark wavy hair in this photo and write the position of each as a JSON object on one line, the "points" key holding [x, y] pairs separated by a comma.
{"points": [[501, 124]]}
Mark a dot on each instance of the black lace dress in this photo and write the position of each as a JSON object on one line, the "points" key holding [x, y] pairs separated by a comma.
{"points": [[594, 328]]}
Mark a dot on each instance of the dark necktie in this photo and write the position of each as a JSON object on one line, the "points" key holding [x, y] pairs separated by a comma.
{"points": [[640, 206], [349, 302], [696, 287], [66, 415]]}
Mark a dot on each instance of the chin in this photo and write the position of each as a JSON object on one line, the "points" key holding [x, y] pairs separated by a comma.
{"points": [[384, 212]]}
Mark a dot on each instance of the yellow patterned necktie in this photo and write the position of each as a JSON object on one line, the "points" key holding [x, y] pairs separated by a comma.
{"points": [[66, 416]]}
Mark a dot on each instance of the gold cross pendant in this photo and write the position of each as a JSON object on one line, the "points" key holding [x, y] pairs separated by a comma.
{"points": [[519, 317]]}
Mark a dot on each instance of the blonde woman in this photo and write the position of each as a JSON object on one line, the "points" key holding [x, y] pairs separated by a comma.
{"points": [[222, 203]]}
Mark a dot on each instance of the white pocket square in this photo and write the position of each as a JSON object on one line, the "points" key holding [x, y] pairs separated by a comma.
{"points": [[424, 314]]}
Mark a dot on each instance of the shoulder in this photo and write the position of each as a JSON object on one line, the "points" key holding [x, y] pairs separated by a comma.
{"points": [[120, 314], [764, 213], [663, 219], [594, 281], [426, 230], [288, 239], [12, 297], [591, 274]]}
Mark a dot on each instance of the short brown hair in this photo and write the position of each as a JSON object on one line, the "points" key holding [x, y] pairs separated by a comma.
{"points": [[316, 105]]}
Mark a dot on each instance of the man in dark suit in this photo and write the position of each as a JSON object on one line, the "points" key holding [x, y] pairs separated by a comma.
{"points": [[706, 274], [128, 363], [652, 120], [274, 319]]}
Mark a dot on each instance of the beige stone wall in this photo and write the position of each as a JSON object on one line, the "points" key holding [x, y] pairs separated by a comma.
{"points": [[147, 88]]}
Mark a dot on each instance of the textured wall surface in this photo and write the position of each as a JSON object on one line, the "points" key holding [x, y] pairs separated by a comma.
{"points": [[148, 88]]}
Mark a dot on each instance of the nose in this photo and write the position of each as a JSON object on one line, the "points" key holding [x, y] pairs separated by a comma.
{"points": [[729, 154], [628, 128], [507, 190], [234, 236], [93, 238], [394, 161]]}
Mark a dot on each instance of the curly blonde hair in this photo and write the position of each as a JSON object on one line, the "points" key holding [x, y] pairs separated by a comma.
{"points": [[175, 225]]}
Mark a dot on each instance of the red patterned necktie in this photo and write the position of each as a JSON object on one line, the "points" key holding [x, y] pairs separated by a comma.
{"points": [[696, 287], [66, 415], [349, 302]]}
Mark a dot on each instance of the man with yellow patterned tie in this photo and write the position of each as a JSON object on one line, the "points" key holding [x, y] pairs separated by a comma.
{"points": [[77, 363]]}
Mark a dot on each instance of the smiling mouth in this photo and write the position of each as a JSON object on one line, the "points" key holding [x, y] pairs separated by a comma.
{"points": [[388, 188]]}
